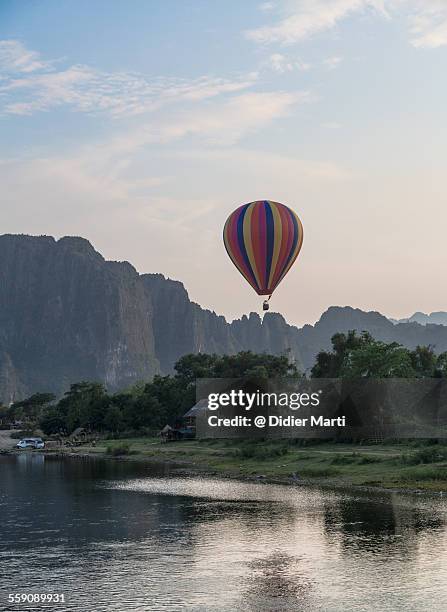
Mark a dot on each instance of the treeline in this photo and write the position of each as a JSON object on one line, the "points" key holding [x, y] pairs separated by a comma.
{"points": [[144, 408], [361, 356], [147, 407]]}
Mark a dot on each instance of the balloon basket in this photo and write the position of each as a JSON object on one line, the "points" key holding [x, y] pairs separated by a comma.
{"points": [[265, 305]]}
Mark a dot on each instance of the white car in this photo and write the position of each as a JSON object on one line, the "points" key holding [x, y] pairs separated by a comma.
{"points": [[31, 443]]}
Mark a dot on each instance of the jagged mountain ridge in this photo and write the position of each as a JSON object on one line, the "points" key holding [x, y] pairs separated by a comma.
{"points": [[435, 318], [67, 314]]}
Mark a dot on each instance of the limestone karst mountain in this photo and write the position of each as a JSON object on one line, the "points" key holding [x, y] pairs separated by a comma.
{"points": [[67, 314]]}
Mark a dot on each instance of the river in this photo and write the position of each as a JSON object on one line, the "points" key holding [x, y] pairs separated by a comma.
{"points": [[114, 535]]}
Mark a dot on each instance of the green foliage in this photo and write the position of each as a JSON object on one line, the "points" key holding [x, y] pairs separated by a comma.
{"points": [[423, 474], [424, 361], [30, 409], [431, 454], [330, 364], [261, 452], [113, 419], [354, 458], [52, 422], [147, 407], [441, 366], [150, 406], [361, 356], [378, 360], [118, 451]]}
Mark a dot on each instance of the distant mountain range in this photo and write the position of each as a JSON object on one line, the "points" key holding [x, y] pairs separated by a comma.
{"points": [[434, 318], [67, 314]]}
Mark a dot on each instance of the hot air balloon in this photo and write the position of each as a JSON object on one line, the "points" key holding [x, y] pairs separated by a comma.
{"points": [[263, 239]]}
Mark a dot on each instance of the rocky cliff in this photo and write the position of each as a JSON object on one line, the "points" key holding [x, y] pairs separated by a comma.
{"points": [[67, 314]]}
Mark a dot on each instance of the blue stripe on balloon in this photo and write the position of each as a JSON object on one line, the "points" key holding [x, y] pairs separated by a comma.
{"points": [[270, 225]]}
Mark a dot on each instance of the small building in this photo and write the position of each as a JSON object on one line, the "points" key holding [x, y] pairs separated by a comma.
{"points": [[189, 419]]}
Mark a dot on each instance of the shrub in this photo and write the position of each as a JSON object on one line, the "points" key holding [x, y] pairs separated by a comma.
{"points": [[366, 459], [261, 452], [318, 472], [432, 454], [344, 459], [117, 451], [425, 473], [24, 433]]}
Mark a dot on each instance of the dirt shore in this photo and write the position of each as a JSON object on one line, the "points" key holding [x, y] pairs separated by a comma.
{"points": [[391, 467], [6, 442]]}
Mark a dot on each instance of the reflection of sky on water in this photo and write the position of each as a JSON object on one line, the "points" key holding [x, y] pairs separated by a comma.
{"points": [[126, 536]]}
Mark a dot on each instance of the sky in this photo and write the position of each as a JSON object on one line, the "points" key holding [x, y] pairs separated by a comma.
{"points": [[141, 125]]}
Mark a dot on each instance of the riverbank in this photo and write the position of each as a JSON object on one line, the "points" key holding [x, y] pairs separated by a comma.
{"points": [[412, 466]]}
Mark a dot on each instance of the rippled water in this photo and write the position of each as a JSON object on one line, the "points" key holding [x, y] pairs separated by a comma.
{"points": [[126, 536]]}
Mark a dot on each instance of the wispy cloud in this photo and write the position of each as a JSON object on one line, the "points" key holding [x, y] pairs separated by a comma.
{"points": [[428, 23], [331, 125], [223, 123], [110, 171], [266, 6], [15, 57], [299, 20], [332, 62], [29, 84], [305, 18], [281, 63]]}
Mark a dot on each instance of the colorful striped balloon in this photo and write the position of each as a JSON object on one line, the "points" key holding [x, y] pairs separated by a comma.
{"points": [[263, 240]]}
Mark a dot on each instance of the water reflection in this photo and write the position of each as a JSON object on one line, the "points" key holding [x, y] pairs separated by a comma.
{"points": [[129, 536], [277, 582]]}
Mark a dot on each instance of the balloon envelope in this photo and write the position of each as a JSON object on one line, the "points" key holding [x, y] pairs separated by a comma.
{"points": [[263, 239]]}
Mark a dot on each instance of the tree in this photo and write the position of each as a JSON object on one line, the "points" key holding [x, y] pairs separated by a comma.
{"points": [[330, 364], [31, 408], [113, 419], [145, 411], [424, 361], [84, 405], [152, 405], [360, 356], [378, 360], [53, 422], [441, 366]]}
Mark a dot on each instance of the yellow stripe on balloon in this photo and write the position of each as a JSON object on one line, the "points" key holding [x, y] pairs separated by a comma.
{"points": [[232, 254], [277, 237], [297, 247], [247, 241]]}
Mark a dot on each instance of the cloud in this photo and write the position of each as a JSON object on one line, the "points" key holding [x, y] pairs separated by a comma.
{"points": [[281, 63], [301, 19], [236, 117], [428, 23], [267, 6], [305, 18], [332, 62], [29, 85], [114, 172], [222, 123], [15, 57], [331, 125], [267, 167]]}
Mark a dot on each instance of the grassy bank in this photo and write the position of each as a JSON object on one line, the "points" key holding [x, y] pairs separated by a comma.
{"points": [[415, 465]]}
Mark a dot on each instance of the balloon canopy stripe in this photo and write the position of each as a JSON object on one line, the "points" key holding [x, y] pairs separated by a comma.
{"points": [[263, 239]]}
